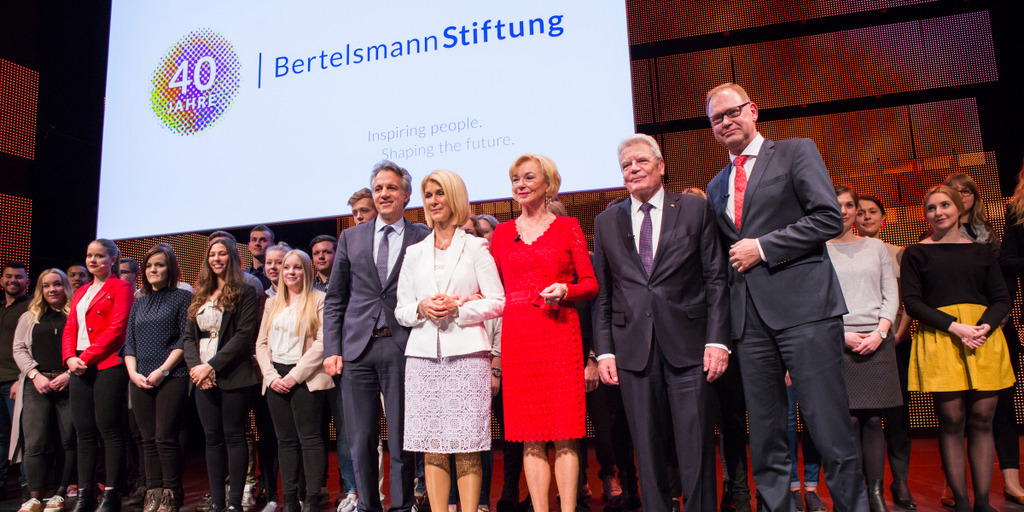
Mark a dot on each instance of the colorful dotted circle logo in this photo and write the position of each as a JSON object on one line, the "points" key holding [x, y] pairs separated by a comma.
{"points": [[195, 82]]}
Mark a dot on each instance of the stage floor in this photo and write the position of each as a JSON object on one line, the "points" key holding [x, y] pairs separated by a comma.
{"points": [[926, 483]]}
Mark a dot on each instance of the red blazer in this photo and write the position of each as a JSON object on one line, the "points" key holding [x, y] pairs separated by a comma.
{"points": [[106, 319]]}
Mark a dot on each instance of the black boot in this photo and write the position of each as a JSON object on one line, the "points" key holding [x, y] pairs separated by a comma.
{"points": [[86, 500], [110, 502], [311, 503], [876, 497], [901, 496]]}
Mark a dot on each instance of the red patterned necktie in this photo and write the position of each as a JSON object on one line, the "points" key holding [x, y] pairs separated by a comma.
{"points": [[740, 186]]}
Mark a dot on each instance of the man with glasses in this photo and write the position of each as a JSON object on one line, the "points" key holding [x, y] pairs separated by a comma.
{"points": [[776, 206]]}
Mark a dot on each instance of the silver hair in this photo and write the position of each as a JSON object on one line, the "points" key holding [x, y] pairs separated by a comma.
{"points": [[641, 138], [388, 165]]}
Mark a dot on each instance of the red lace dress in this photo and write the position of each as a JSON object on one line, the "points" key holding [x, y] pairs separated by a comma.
{"points": [[541, 349]]}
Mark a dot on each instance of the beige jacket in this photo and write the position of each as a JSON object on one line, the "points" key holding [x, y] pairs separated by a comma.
{"points": [[310, 368]]}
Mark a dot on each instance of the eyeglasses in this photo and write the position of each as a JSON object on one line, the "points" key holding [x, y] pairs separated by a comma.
{"points": [[965, 192], [732, 113]]}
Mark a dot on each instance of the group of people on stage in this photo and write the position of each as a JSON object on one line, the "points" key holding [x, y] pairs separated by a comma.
{"points": [[699, 308]]}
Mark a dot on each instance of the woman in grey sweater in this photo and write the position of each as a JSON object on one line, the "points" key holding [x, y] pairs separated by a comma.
{"points": [[868, 280]]}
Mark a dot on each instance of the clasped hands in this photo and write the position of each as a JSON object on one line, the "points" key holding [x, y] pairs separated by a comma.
{"points": [[973, 336], [46, 385], [202, 376], [863, 343], [154, 379], [440, 306], [283, 385]]}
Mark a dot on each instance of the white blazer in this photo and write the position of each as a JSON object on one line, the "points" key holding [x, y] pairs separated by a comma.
{"points": [[469, 269]]}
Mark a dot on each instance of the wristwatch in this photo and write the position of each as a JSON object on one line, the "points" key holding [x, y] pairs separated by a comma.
{"points": [[882, 333], [165, 373], [496, 371], [32, 374]]}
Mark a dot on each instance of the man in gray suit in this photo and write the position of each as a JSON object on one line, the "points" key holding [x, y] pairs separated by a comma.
{"points": [[776, 207], [661, 321], [362, 337]]}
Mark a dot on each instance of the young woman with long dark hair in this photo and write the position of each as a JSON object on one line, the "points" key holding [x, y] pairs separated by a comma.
{"points": [[222, 319]]}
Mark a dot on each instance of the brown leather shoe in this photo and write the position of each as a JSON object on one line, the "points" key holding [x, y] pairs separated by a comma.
{"points": [[152, 500], [168, 501]]}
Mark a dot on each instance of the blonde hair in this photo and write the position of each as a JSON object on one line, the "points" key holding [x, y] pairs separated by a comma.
{"points": [[728, 86], [307, 314], [547, 169], [947, 191], [38, 305], [1016, 202], [454, 190]]}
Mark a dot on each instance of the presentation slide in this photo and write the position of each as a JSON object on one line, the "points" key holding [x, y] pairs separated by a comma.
{"points": [[228, 114]]}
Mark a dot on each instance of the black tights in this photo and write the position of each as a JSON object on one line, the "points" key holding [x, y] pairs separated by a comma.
{"points": [[867, 423], [974, 409]]}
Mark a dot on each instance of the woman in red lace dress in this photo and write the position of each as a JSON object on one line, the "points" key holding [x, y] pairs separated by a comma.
{"points": [[544, 264]]}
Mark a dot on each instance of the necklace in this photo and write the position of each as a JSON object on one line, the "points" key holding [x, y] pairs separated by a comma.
{"points": [[446, 243]]}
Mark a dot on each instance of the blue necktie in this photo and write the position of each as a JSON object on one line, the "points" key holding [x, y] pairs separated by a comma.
{"points": [[646, 238]]}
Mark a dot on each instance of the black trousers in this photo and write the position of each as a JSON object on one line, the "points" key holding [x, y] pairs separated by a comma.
{"points": [[224, 414], [612, 443], [40, 413], [665, 403], [158, 413], [97, 410], [380, 369], [813, 354], [297, 415], [731, 416]]}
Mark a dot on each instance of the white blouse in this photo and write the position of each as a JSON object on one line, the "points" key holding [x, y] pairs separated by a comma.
{"points": [[208, 319], [81, 309], [283, 337]]}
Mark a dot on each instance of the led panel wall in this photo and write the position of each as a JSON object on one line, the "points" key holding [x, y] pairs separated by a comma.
{"points": [[15, 229], [19, 91], [658, 20]]}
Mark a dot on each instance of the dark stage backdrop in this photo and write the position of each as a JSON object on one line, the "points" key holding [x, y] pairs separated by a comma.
{"points": [[897, 94]]}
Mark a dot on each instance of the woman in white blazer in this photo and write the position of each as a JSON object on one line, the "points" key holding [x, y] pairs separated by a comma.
{"points": [[447, 287]]}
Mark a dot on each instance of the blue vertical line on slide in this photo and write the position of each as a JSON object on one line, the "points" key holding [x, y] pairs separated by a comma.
{"points": [[259, 70]]}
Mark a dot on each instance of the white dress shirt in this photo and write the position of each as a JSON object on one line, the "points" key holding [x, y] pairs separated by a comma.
{"points": [[637, 216]]}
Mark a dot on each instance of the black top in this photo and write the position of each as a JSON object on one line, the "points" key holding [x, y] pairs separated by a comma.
{"points": [[233, 363], [259, 273], [9, 316], [156, 326], [936, 275], [47, 337]]}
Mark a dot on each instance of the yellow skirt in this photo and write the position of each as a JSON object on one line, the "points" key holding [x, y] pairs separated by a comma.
{"points": [[939, 361]]}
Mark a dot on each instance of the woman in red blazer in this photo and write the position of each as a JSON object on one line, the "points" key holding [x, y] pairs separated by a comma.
{"points": [[99, 383]]}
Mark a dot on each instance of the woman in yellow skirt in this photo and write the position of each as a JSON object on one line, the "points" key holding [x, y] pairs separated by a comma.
{"points": [[955, 289]]}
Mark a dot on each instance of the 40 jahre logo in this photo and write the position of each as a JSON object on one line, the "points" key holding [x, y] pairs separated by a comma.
{"points": [[195, 82]]}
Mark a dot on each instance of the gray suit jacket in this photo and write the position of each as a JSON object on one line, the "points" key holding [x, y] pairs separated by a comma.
{"points": [[684, 301], [790, 206], [355, 297]]}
